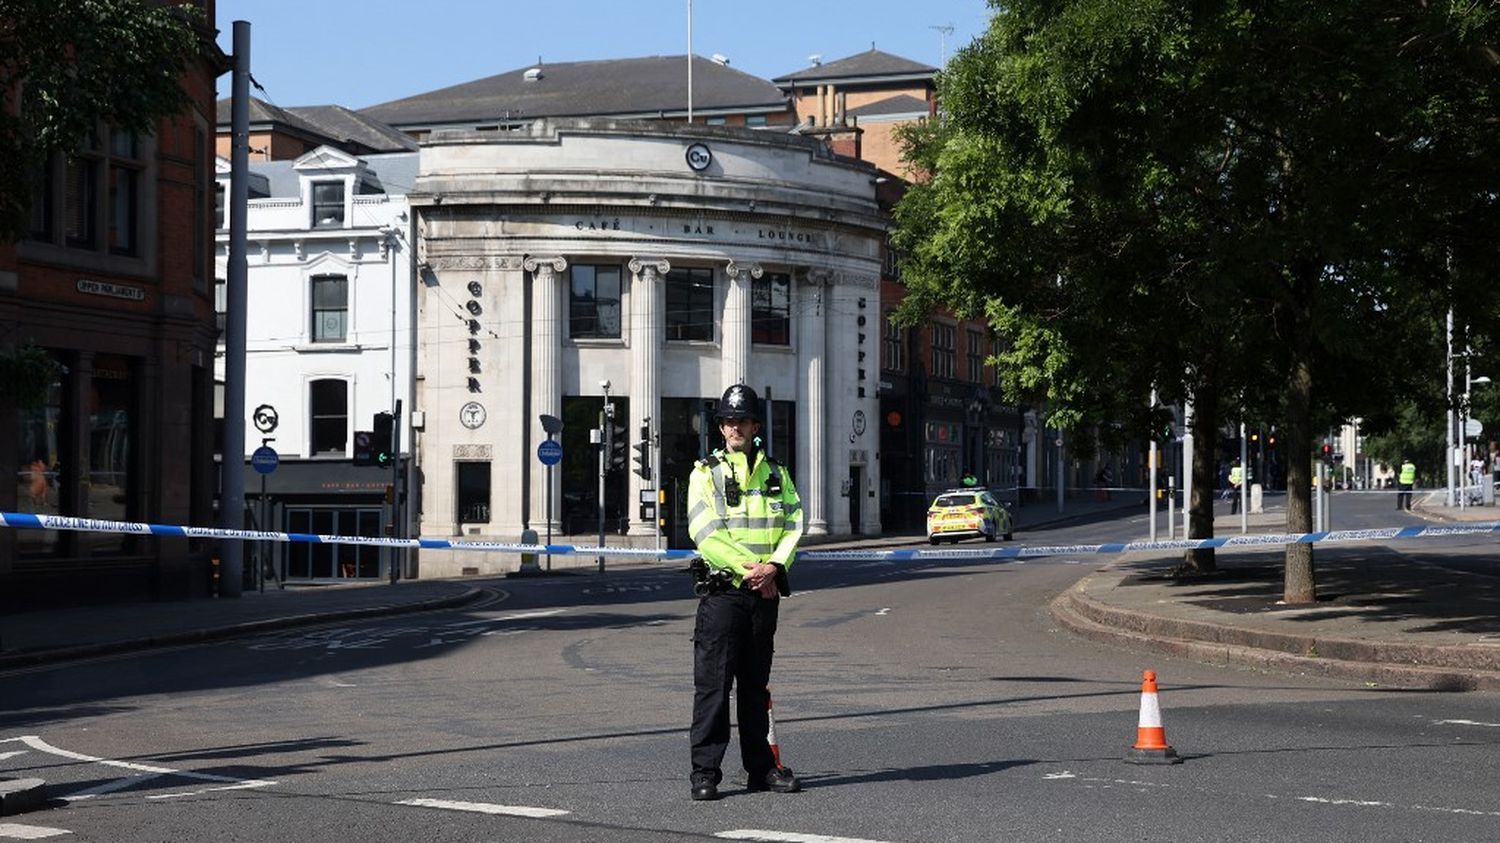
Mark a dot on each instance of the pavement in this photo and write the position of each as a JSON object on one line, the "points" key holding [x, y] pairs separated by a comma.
{"points": [[1379, 617]]}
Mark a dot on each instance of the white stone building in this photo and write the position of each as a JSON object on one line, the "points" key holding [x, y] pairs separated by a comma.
{"points": [[329, 344], [667, 260]]}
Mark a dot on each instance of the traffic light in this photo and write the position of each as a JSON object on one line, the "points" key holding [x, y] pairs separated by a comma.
{"points": [[1327, 452], [614, 442], [643, 453], [381, 437], [364, 447]]}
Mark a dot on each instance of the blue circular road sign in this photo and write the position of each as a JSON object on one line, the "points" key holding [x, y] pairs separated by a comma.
{"points": [[549, 452], [264, 460]]}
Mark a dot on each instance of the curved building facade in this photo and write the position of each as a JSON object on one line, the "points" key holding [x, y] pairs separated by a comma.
{"points": [[617, 276]]}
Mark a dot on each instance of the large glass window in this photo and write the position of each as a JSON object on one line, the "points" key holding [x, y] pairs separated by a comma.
{"points": [[893, 350], [41, 488], [98, 189], [690, 304], [771, 309], [943, 351], [974, 351], [328, 417], [330, 308], [473, 492], [307, 561], [594, 302], [328, 204], [111, 489]]}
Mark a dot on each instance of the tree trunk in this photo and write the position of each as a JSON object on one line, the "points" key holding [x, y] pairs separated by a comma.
{"points": [[1205, 457], [1299, 585]]}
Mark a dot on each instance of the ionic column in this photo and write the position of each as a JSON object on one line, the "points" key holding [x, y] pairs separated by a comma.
{"points": [[812, 427], [647, 331], [546, 375], [735, 354]]}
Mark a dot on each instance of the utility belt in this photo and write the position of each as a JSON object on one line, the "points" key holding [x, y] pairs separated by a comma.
{"points": [[709, 580]]}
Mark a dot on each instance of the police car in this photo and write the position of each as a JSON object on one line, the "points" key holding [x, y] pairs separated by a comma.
{"points": [[962, 513]]}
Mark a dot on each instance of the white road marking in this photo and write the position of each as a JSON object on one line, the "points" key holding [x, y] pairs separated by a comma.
{"points": [[1465, 723], [5, 755], [224, 782], [543, 613], [1317, 800], [16, 831], [788, 837], [484, 808], [885, 611], [111, 787]]}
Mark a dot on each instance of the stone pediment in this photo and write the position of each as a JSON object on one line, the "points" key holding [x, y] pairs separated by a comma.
{"points": [[326, 159]]}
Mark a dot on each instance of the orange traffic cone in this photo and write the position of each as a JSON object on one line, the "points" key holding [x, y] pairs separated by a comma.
{"points": [[1150, 737], [771, 733]]}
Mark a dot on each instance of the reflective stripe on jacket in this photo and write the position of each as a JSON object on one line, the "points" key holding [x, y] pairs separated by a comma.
{"points": [[761, 528], [1408, 474]]}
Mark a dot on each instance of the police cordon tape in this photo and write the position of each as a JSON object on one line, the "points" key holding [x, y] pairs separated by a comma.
{"points": [[27, 521]]}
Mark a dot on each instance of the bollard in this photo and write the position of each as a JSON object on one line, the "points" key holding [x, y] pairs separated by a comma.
{"points": [[528, 560]]}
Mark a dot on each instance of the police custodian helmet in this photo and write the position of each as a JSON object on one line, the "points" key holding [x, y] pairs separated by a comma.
{"points": [[738, 402]]}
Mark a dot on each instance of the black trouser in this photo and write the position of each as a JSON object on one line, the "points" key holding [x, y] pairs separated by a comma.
{"points": [[732, 643], [1403, 498]]}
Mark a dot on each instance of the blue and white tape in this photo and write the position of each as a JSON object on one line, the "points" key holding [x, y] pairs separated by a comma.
{"points": [[26, 521]]}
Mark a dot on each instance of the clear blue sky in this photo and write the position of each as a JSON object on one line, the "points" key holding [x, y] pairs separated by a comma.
{"points": [[357, 53]]}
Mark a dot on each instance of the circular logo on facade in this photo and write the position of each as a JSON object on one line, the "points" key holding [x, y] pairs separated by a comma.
{"points": [[471, 415], [698, 157], [859, 422]]}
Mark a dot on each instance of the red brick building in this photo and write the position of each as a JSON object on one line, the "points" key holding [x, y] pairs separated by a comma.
{"points": [[114, 280]]}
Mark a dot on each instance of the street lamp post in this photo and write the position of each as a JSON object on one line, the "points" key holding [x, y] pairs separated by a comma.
{"points": [[606, 419]]}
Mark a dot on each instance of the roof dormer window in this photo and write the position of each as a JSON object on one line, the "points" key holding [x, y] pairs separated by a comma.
{"points": [[328, 204]]}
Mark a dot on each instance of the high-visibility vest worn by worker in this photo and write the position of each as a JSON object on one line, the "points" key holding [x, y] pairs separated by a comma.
{"points": [[1236, 476], [740, 515], [1408, 474]]}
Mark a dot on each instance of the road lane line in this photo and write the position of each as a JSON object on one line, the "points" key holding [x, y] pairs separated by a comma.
{"points": [[40, 745], [788, 837], [1465, 723], [485, 808], [17, 831]]}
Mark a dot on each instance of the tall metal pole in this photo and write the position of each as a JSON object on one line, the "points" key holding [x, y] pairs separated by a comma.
{"points": [[395, 572], [690, 81], [1060, 467], [1151, 494], [1448, 446], [232, 463], [1187, 467], [606, 421]]}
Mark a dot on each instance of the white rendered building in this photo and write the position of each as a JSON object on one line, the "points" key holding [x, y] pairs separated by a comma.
{"points": [[669, 261], [329, 345]]}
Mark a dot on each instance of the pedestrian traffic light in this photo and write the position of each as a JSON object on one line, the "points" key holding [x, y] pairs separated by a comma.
{"points": [[381, 438], [364, 447], [643, 453], [1327, 451]]}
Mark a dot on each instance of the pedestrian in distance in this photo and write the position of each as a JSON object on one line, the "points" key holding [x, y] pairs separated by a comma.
{"points": [[1405, 480], [1236, 480], [745, 518]]}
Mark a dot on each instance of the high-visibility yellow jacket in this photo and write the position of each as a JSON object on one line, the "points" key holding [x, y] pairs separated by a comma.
{"points": [[761, 527], [1408, 474], [1236, 476]]}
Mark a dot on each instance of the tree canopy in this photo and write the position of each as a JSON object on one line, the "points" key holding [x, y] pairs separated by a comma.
{"points": [[1238, 203], [66, 66]]}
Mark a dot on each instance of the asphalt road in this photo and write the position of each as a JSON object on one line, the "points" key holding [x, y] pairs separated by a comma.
{"points": [[917, 702]]}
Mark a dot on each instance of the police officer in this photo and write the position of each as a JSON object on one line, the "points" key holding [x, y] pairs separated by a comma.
{"points": [[746, 519], [1405, 481]]}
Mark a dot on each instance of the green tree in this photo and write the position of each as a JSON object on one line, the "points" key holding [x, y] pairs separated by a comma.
{"points": [[66, 66], [1227, 200]]}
